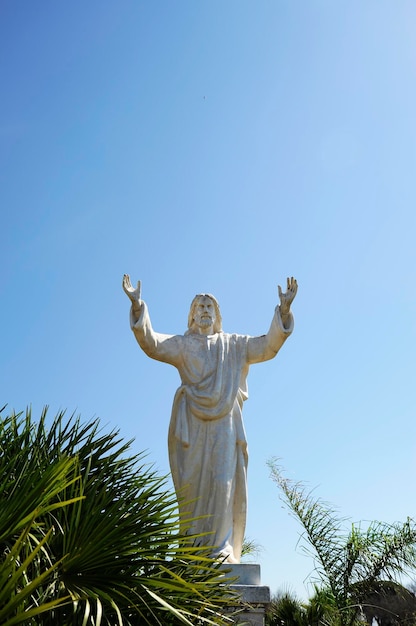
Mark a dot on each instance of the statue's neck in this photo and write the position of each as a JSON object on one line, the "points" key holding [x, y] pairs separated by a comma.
{"points": [[202, 330]]}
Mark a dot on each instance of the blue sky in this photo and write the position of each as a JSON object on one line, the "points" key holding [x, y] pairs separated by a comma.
{"points": [[219, 147]]}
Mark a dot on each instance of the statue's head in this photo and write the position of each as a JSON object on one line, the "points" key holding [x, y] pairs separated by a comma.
{"points": [[204, 312]]}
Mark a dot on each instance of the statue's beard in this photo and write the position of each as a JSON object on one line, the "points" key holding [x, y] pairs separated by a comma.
{"points": [[205, 322]]}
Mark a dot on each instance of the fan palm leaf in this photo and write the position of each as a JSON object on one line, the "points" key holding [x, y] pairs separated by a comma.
{"points": [[26, 566], [116, 548]]}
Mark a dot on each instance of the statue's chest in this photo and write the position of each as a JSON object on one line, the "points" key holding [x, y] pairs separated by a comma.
{"points": [[201, 355]]}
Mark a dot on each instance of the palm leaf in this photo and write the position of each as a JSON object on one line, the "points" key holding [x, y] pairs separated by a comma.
{"points": [[23, 573], [348, 564], [117, 549]]}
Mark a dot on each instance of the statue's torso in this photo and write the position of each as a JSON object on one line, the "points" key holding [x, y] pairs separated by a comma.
{"points": [[200, 356]]}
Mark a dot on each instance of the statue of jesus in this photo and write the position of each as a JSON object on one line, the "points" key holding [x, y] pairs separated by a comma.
{"points": [[207, 443]]}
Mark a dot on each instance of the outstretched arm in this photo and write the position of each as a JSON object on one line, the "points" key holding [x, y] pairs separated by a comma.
{"points": [[267, 346], [158, 346]]}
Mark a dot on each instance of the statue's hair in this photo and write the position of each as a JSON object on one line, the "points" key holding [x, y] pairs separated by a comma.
{"points": [[218, 318]]}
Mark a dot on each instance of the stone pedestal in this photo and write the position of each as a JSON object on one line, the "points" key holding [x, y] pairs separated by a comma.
{"points": [[254, 597]]}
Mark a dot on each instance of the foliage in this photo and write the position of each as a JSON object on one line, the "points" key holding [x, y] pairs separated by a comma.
{"points": [[89, 535], [348, 563], [389, 604], [250, 549], [286, 610]]}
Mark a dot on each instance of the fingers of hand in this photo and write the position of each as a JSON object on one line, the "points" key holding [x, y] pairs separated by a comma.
{"points": [[126, 282], [292, 285]]}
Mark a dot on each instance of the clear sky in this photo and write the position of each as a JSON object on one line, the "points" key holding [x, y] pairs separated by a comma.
{"points": [[219, 146]]}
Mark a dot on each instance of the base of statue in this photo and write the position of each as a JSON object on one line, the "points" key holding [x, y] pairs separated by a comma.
{"points": [[254, 597]]}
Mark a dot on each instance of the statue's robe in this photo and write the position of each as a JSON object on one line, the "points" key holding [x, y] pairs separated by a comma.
{"points": [[207, 443]]}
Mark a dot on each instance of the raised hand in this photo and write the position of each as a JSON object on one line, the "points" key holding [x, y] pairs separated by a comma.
{"points": [[133, 294], [288, 296]]}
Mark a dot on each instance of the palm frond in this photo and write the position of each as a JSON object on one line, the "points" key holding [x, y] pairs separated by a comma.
{"points": [[114, 543], [348, 563]]}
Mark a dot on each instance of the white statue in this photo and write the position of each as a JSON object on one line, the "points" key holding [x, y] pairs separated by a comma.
{"points": [[207, 443]]}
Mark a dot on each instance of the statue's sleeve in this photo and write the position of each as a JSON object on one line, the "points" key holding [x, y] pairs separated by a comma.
{"points": [[158, 346], [267, 346]]}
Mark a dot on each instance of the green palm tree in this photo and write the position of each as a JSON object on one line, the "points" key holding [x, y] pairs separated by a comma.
{"points": [[26, 565], [286, 609], [89, 534], [348, 562]]}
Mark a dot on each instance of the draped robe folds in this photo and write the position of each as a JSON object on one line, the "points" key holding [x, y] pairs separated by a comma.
{"points": [[207, 442]]}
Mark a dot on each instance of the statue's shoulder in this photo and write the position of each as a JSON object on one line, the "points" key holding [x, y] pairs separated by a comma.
{"points": [[235, 338], [239, 337]]}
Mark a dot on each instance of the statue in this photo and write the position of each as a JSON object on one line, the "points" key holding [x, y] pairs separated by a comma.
{"points": [[207, 443]]}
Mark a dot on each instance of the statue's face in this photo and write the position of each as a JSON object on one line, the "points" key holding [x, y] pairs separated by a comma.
{"points": [[204, 314]]}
